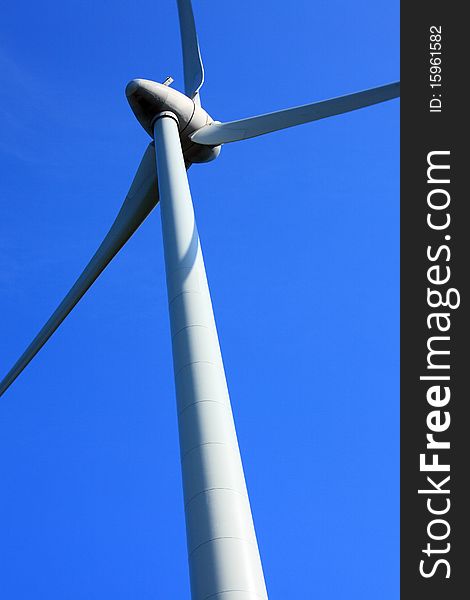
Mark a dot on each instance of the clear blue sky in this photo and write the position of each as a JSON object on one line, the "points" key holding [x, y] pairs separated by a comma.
{"points": [[300, 235]]}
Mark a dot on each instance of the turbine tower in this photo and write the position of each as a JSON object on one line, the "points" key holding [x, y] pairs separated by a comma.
{"points": [[223, 554]]}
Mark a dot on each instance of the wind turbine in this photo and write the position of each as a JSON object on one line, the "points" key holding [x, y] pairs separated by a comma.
{"points": [[223, 555]]}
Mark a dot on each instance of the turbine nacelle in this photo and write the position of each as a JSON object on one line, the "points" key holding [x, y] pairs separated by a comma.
{"points": [[149, 98]]}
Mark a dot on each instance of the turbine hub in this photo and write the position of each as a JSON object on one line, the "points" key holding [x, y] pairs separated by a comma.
{"points": [[149, 98]]}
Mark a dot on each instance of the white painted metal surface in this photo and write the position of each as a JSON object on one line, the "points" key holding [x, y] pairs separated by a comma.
{"points": [[223, 553]]}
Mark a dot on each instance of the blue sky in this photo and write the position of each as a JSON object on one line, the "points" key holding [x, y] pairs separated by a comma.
{"points": [[300, 235]]}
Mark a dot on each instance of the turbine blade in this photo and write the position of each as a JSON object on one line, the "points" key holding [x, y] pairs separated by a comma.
{"points": [[140, 200], [215, 133], [192, 61]]}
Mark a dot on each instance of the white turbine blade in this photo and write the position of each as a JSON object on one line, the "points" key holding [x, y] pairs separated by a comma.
{"points": [[192, 61], [215, 133], [141, 199]]}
